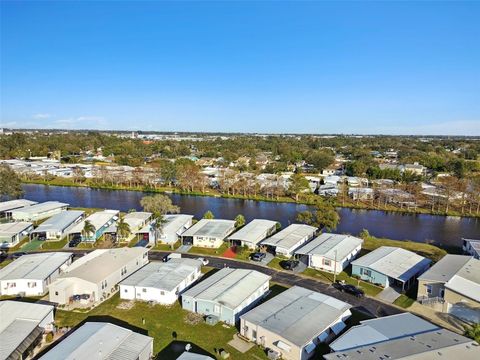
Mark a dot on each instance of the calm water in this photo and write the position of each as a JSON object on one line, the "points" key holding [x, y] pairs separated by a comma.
{"points": [[440, 230]]}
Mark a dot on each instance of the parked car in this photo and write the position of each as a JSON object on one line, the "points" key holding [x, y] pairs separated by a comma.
{"points": [[18, 254], [74, 242], [258, 256], [350, 289], [204, 261], [289, 264]]}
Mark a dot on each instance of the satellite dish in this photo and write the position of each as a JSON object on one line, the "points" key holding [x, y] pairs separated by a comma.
{"points": [[188, 347]]}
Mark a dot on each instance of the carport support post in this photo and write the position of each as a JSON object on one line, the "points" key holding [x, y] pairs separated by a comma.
{"points": [[335, 268]]}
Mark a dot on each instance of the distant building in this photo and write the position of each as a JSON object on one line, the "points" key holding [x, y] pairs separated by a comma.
{"points": [[471, 247], [286, 241], [7, 206], [102, 341], [161, 282], [94, 277], [253, 233], [174, 226], [208, 233], [227, 294], [38, 211], [453, 286], [29, 275], [330, 252], [100, 220], [58, 226], [390, 266], [12, 233], [414, 168], [295, 322], [361, 193], [22, 327]]}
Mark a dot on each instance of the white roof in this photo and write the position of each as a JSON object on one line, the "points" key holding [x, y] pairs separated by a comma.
{"points": [[229, 287], [97, 340], [34, 266], [394, 262], [467, 280], [137, 218], [10, 229], [59, 222], [19, 319], [289, 237], [40, 208], [298, 315], [175, 222], [163, 275], [326, 244], [254, 232], [97, 265], [15, 204], [97, 219], [216, 228]]}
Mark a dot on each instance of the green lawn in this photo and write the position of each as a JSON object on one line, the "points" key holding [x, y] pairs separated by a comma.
{"points": [[54, 245], [162, 323], [86, 245], [5, 262], [209, 251], [32, 245], [167, 247], [275, 263]]}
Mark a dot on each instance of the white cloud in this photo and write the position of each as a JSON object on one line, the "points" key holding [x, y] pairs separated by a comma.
{"points": [[42, 116], [81, 122]]}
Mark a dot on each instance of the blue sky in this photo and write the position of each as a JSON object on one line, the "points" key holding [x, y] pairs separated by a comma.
{"points": [[303, 67]]}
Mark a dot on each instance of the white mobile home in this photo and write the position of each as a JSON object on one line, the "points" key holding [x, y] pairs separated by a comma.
{"points": [[290, 239], [330, 252], [174, 226], [102, 341], [161, 282], [22, 327], [227, 294], [208, 233], [38, 211], [294, 322], [95, 276], [255, 231], [6, 207], [58, 226], [100, 220], [30, 275], [12, 233]]}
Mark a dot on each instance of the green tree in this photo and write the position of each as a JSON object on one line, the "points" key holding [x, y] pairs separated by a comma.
{"points": [[239, 220], [473, 332], [10, 185], [298, 184], [208, 215], [88, 229], [324, 215], [123, 228], [158, 205]]}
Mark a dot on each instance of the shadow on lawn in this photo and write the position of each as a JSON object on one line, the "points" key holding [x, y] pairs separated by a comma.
{"points": [[177, 348]]}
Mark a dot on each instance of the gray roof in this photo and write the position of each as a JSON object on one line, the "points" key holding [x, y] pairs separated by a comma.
{"points": [[229, 287], [15, 204], [137, 218], [373, 331], [98, 264], [290, 236], [41, 208], [163, 275], [467, 280], [211, 227], [19, 319], [475, 244], [96, 340], [97, 219], [255, 231], [326, 244], [59, 222], [175, 222], [445, 268], [298, 314], [437, 344], [394, 262], [35, 266], [13, 228]]}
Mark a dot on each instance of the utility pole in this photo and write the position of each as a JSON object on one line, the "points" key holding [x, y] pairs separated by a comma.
{"points": [[335, 268]]}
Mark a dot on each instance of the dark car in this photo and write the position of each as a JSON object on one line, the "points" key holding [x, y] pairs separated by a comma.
{"points": [[17, 254], [258, 256], [289, 264], [350, 289], [74, 242]]}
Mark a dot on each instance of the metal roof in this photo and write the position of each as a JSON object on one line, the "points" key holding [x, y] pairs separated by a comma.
{"points": [[445, 268], [98, 219], [467, 280], [475, 244], [394, 262], [35, 266], [255, 231], [290, 236], [373, 331], [137, 218], [175, 222], [59, 222], [9, 229], [326, 244], [18, 320], [163, 275], [436, 344], [15, 204], [40, 208], [211, 227], [228, 287], [298, 314], [98, 264], [96, 340]]}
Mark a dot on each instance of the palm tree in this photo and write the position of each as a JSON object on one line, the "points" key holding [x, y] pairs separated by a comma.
{"points": [[88, 229], [123, 228], [157, 226]]}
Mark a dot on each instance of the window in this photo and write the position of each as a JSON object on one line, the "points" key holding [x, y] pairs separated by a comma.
{"points": [[327, 262], [125, 290], [367, 272], [56, 293], [162, 292], [216, 309], [144, 290], [429, 289], [32, 284]]}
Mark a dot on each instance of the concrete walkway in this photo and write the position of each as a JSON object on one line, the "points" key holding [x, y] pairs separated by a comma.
{"points": [[388, 295], [443, 319]]}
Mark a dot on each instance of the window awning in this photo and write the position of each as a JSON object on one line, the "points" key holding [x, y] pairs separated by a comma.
{"points": [[338, 327], [284, 346], [310, 347]]}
